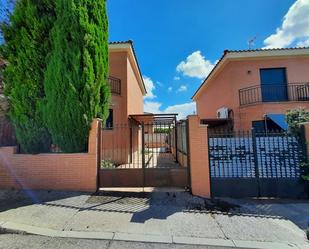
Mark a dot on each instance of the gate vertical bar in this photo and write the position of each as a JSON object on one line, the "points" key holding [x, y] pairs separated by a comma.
{"points": [[143, 152], [256, 166], [99, 137], [176, 139], [131, 142], [188, 155]]}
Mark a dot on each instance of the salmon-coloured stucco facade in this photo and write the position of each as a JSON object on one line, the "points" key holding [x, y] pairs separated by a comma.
{"points": [[241, 69], [123, 65]]}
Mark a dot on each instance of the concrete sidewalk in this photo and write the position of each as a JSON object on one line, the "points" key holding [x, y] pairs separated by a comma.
{"points": [[171, 217]]}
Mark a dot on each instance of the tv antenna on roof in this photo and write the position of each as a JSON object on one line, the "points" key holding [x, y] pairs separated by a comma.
{"points": [[251, 42]]}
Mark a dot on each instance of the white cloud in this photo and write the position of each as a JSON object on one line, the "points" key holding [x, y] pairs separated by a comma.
{"points": [[304, 43], [182, 88], [150, 87], [170, 89], [176, 78], [195, 65], [152, 107], [159, 83], [294, 28], [183, 110]]}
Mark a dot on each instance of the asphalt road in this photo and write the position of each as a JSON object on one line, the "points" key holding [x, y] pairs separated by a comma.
{"points": [[13, 241]]}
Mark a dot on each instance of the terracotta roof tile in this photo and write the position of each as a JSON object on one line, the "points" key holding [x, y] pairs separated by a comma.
{"points": [[263, 49], [121, 42]]}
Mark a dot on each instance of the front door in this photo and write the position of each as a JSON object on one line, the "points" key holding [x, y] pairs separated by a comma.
{"points": [[273, 84]]}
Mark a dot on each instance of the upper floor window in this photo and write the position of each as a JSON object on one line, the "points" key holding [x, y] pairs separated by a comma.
{"points": [[273, 84]]}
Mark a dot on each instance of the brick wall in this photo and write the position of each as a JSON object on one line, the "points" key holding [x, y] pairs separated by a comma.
{"points": [[76, 172], [199, 161]]}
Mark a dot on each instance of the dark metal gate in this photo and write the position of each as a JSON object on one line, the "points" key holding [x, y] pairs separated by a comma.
{"points": [[141, 153], [249, 164]]}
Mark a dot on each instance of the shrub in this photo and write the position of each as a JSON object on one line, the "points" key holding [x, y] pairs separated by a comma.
{"points": [[294, 118], [26, 45], [76, 77], [162, 130]]}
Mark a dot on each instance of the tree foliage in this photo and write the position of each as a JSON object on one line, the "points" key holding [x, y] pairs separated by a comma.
{"points": [[75, 83], [295, 117], [25, 48]]}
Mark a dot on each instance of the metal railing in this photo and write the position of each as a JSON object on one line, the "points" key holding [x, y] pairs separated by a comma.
{"points": [[274, 93], [115, 85]]}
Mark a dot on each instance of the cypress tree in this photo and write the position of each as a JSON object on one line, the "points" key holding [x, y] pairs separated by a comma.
{"points": [[76, 77], [26, 46]]}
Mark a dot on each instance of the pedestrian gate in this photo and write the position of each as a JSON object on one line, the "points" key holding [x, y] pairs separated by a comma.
{"points": [[141, 153]]}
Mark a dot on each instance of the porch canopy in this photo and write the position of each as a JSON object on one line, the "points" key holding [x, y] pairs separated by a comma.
{"points": [[215, 122], [279, 119], [154, 119]]}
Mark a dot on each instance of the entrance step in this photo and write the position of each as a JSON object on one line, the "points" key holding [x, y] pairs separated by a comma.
{"points": [[146, 189]]}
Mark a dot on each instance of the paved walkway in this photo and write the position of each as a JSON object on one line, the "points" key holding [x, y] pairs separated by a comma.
{"points": [[171, 217], [296, 211]]}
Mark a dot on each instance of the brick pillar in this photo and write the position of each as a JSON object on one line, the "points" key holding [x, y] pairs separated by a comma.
{"points": [[94, 146], [199, 160], [93, 136]]}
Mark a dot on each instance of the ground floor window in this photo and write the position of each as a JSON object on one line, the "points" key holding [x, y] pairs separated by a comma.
{"points": [[110, 120], [265, 125]]}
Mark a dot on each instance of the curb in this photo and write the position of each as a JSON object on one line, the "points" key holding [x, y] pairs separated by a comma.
{"points": [[14, 228]]}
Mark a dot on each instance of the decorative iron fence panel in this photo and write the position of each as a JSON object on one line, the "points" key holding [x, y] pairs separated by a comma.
{"points": [[279, 155], [231, 156], [256, 164]]}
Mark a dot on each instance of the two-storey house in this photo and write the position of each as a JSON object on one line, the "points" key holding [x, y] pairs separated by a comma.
{"points": [[254, 89]]}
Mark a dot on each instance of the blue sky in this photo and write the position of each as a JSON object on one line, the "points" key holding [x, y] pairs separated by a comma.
{"points": [[178, 41]]}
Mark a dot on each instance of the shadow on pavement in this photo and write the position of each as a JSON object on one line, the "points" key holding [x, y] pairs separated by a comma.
{"points": [[11, 199], [158, 205]]}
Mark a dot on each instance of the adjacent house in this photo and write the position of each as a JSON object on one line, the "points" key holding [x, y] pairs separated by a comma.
{"points": [[254, 89], [119, 140], [126, 81]]}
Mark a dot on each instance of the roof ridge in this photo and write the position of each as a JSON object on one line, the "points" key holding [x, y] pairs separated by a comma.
{"points": [[121, 42], [262, 49]]}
